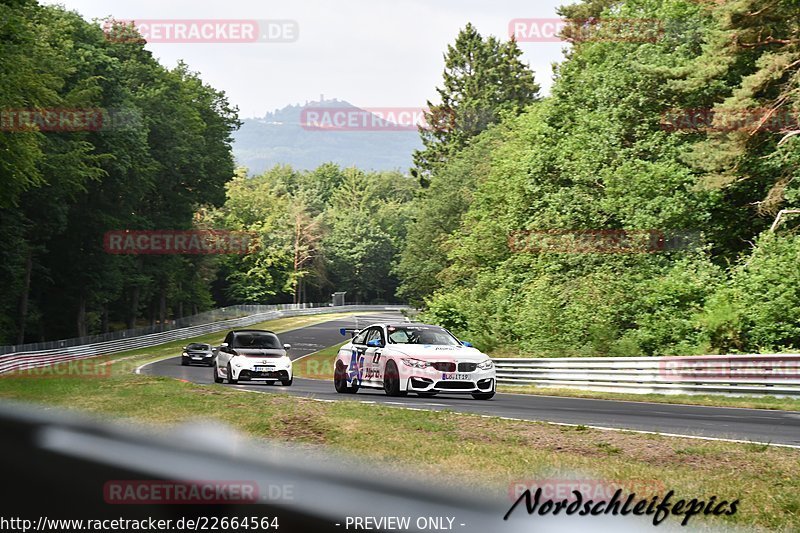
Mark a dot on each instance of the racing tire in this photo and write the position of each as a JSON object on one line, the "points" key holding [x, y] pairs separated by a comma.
{"points": [[184, 362], [287, 382], [217, 379], [483, 395], [391, 381], [230, 374], [340, 380]]}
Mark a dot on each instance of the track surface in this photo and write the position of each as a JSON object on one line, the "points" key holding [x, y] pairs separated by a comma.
{"points": [[777, 427]]}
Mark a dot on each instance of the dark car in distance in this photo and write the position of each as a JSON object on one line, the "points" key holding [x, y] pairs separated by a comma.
{"points": [[197, 353]]}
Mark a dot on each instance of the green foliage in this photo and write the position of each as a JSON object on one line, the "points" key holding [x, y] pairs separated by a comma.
{"points": [[483, 80], [594, 156], [164, 149], [321, 231]]}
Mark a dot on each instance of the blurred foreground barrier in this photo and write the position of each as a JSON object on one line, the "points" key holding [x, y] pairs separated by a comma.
{"points": [[34, 359], [774, 374]]}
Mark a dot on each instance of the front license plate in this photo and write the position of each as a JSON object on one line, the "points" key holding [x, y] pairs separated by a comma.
{"points": [[456, 376], [196, 357], [263, 368]]}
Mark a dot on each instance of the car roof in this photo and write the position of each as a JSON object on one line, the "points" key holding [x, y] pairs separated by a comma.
{"points": [[253, 331], [401, 325]]}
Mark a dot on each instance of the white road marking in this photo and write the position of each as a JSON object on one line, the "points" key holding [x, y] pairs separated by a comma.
{"points": [[564, 424]]}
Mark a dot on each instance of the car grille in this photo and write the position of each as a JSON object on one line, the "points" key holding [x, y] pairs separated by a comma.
{"points": [[467, 367], [455, 385], [444, 366]]}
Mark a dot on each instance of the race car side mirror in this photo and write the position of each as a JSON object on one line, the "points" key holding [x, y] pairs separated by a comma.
{"points": [[375, 343], [467, 344], [287, 347]]}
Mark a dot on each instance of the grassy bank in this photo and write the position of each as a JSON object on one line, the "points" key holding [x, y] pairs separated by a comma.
{"points": [[497, 453], [492, 453], [765, 402]]}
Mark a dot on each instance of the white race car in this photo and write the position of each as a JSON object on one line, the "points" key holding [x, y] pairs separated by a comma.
{"points": [[403, 358], [253, 355]]}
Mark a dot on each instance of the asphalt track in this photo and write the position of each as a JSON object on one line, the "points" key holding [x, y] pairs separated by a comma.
{"points": [[755, 425]]}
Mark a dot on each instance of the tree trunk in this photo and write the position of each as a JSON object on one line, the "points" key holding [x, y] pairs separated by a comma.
{"points": [[23, 300], [134, 309], [104, 322], [162, 309], [81, 319]]}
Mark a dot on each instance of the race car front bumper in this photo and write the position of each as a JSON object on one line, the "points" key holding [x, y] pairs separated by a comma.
{"points": [[254, 369], [431, 380]]}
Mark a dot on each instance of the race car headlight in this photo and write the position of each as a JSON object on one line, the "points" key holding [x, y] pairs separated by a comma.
{"points": [[416, 363], [486, 365], [185, 354]]}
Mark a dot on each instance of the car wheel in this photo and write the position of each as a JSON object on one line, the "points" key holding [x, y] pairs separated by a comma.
{"points": [[391, 380], [230, 376], [287, 382], [217, 379], [482, 395], [427, 394], [340, 380], [184, 362]]}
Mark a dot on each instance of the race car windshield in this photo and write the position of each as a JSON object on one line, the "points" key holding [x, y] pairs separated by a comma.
{"points": [[198, 347], [256, 340], [420, 335]]}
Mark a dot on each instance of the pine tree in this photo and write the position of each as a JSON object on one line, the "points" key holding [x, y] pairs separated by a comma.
{"points": [[483, 79]]}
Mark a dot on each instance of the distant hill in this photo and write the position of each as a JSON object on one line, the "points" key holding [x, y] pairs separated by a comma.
{"points": [[280, 138]]}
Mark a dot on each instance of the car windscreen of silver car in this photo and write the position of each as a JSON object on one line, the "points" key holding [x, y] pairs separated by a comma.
{"points": [[256, 340]]}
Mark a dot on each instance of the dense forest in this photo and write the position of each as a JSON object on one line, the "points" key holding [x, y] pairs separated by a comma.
{"points": [[160, 149], [603, 153], [635, 138]]}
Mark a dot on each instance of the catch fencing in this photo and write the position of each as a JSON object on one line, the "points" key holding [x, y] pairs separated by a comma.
{"points": [[39, 358]]}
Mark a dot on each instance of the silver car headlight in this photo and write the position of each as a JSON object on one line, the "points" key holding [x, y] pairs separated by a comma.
{"points": [[416, 363], [486, 365]]}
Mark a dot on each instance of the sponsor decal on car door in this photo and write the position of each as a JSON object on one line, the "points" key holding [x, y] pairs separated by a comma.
{"points": [[372, 357]]}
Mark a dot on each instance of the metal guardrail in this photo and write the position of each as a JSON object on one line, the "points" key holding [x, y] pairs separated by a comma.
{"points": [[206, 317], [25, 360], [773, 374]]}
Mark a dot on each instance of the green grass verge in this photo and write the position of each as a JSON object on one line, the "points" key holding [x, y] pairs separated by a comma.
{"points": [[490, 453], [134, 358], [764, 402], [318, 365]]}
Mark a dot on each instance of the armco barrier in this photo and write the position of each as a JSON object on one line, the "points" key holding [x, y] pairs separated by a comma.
{"points": [[20, 360], [736, 375]]}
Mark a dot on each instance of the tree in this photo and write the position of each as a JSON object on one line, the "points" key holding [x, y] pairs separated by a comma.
{"points": [[482, 80]]}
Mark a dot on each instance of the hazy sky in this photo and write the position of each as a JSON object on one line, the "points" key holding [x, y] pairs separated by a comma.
{"points": [[372, 53]]}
